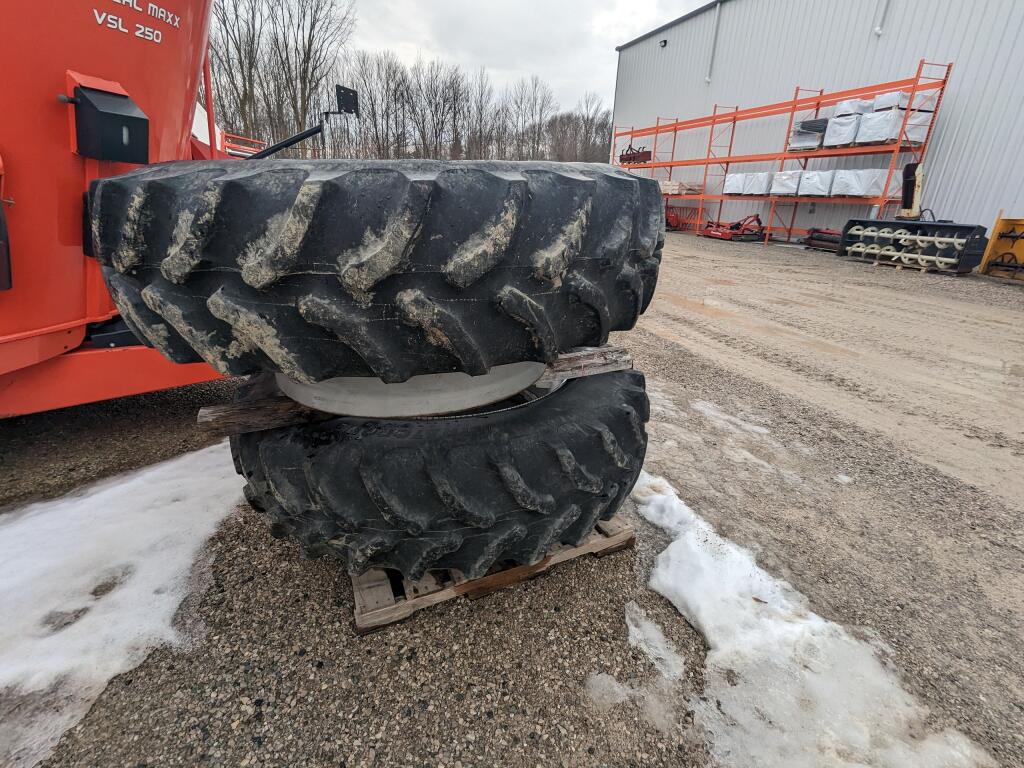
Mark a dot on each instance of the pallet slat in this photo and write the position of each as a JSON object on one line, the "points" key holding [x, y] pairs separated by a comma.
{"points": [[374, 609]]}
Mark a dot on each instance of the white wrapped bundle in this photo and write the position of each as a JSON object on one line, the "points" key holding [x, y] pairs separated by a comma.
{"points": [[854, 107], [917, 127], [816, 183], [847, 183], [733, 184], [901, 100], [879, 127], [786, 182], [804, 140], [885, 126], [841, 130], [757, 183], [865, 182]]}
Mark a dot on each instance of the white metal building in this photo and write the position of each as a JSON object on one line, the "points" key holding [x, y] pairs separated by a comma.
{"points": [[754, 52]]}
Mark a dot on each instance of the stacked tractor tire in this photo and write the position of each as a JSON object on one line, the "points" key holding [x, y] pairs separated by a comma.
{"points": [[325, 271]]}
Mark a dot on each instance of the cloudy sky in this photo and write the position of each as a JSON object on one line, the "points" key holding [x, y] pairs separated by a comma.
{"points": [[569, 43]]}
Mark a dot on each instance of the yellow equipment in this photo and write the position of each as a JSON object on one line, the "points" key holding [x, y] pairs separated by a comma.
{"points": [[1004, 256]]}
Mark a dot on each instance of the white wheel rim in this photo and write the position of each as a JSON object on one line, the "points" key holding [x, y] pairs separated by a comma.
{"points": [[428, 395]]}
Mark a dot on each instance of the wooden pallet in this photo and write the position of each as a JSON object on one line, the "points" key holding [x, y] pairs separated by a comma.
{"points": [[384, 597]]}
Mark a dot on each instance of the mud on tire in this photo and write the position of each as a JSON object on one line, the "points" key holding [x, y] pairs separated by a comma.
{"points": [[458, 492], [318, 269]]}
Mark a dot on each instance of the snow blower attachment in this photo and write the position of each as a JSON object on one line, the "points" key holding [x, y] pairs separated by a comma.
{"points": [[415, 310], [938, 245]]}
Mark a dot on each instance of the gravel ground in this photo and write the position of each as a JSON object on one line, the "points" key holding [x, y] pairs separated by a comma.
{"points": [[47, 454], [849, 495]]}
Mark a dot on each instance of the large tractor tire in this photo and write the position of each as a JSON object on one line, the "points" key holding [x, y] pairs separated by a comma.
{"points": [[319, 269], [460, 492]]}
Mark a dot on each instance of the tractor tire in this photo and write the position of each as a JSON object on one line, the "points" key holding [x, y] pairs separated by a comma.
{"points": [[459, 492], [319, 269]]}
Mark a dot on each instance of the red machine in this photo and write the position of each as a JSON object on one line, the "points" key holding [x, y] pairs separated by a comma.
{"points": [[90, 89], [747, 229]]}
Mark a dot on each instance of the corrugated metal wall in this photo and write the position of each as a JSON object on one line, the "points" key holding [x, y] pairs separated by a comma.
{"points": [[975, 163]]}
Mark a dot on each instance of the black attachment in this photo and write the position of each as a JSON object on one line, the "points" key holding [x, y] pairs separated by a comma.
{"points": [[111, 333], [273, 149], [5, 252], [348, 100], [109, 126]]}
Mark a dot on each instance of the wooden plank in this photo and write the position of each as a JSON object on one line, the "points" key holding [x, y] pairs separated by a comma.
{"points": [[586, 361], [372, 591], [261, 406], [376, 609], [255, 415]]}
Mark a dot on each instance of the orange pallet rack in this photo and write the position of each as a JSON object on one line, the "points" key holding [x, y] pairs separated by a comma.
{"points": [[930, 78]]}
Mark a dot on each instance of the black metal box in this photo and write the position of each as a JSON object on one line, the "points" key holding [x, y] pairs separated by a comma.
{"points": [[109, 126]]}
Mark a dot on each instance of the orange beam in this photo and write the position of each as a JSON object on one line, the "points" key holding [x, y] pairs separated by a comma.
{"points": [[90, 375], [785, 199], [782, 107], [870, 149]]}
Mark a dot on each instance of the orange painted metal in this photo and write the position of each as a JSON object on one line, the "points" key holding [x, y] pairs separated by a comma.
{"points": [[154, 53], [89, 375], [782, 107], [929, 77], [767, 157]]}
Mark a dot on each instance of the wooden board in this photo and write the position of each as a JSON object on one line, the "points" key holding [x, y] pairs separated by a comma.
{"points": [[384, 597], [263, 407]]}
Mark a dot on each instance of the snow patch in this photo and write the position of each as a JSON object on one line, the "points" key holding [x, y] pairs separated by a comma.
{"points": [[648, 637], [843, 479], [727, 421], [654, 699], [90, 583], [783, 686]]}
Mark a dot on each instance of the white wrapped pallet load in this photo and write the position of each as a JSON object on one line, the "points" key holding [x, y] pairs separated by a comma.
{"points": [[757, 183], [847, 183], [879, 127], [842, 130], [804, 140], [924, 101], [882, 127], [786, 182], [816, 183], [873, 181], [864, 182], [733, 184], [854, 107], [917, 126]]}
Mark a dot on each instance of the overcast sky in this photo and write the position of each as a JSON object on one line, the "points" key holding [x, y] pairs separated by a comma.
{"points": [[569, 43]]}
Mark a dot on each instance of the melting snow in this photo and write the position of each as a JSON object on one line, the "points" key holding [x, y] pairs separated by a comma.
{"points": [[654, 699], [727, 421], [90, 583], [784, 687]]}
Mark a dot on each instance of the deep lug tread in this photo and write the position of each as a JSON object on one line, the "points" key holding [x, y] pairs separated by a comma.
{"points": [[443, 328], [350, 326], [371, 492], [512, 261], [593, 298], [533, 316]]}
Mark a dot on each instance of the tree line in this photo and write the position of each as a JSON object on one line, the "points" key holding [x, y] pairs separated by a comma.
{"points": [[275, 65]]}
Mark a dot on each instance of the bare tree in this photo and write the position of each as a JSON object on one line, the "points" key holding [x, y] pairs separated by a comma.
{"points": [[276, 62], [304, 39], [238, 52]]}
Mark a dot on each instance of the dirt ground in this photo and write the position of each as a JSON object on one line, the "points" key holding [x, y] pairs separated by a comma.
{"points": [[886, 485]]}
